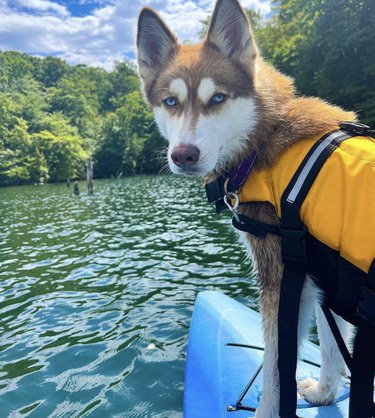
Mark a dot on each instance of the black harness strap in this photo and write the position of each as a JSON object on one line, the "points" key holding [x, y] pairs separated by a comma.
{"points": [[295, 265], [361, 392], [294, 257], [254, 227], [338, 337], [230, 182]]}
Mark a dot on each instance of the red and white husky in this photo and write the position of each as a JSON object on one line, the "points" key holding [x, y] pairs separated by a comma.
{"points": [[217, 102]]}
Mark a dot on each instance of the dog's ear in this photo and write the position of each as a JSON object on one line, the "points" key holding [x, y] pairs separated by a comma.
{"points": [[155, 43], [230, 32]]}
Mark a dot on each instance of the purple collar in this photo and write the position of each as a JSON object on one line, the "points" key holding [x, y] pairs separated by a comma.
{"points": [[238, 176], [229, 185]]}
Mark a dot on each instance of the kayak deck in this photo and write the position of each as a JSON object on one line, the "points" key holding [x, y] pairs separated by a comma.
{"points": [[225, 354]]}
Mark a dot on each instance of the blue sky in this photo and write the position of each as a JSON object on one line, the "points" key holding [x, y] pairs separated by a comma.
{"points": [[95, 32]]}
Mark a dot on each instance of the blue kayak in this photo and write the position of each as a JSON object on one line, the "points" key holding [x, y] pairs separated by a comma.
{"points": [[223, 376]]}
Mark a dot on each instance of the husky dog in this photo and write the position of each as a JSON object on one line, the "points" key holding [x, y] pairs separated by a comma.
{"points": [[216, 102]]}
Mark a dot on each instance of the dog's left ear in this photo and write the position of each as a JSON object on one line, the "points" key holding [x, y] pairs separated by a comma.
{"points": [[230, 32]]}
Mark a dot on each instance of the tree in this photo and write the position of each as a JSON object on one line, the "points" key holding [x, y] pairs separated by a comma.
{"points": [[124, 80], [64, 155], [153, 157], [50, 70], [328, 47], [20, 160], [125, 132]]}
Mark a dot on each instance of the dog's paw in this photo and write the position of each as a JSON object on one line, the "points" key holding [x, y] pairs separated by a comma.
{"points": [[313, 392]]}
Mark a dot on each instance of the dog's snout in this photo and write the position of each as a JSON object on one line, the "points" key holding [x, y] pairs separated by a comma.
{"points": [[185, 155]]}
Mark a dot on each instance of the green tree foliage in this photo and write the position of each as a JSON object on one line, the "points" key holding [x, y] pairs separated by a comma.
{"points": [[20, 160], [63, 154], [53, 116], [126, 134], [50, 71], [327, 46]]}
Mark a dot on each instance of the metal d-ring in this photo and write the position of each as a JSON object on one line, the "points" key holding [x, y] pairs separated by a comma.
{"points": [[233, 208]]}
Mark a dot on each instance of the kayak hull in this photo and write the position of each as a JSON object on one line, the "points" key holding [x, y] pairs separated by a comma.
{"points": [[225, 353]]}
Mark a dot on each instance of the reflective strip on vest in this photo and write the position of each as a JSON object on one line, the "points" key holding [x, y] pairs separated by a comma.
{"points": [[339, 209]]}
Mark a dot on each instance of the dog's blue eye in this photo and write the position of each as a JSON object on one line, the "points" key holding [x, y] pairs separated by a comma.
{"points": [[170, 101], [218, 98]]}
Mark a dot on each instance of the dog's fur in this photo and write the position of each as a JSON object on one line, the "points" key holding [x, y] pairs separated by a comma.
{"points": [[260, 110]]}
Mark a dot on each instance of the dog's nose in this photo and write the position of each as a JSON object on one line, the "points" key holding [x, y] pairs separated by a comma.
{"points": [[185, 155]]}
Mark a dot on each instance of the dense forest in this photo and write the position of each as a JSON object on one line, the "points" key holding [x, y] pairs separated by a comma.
{"points": [[54, 116]]}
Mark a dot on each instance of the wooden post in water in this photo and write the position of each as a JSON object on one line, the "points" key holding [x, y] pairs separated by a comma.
{"points": [[90, 175], [76, 188]]}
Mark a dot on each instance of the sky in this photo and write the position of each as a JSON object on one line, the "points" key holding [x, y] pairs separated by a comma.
{"points": [[95, 32]]}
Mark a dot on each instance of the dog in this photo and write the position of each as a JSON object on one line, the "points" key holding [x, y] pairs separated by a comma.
{"points": [[215, 102]]}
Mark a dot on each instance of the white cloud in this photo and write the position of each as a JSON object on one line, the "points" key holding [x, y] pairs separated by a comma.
{"points": [[43, 5], [263, 6], [102, 37]]}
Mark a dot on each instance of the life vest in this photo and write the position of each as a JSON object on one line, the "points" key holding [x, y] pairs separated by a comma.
{"points": [[339, 209], [323, 191]]}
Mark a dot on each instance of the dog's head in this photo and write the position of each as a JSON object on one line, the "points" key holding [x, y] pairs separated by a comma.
{"points": [[202, 95]]}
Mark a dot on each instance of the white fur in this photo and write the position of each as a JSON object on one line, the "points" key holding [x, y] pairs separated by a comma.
{"points": [[176, 128], [178, 88], [206, 89], [333, 365], [218, 136], [221, 135]]}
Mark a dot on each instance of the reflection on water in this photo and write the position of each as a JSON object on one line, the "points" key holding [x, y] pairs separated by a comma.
{"points": [[96, 294]]}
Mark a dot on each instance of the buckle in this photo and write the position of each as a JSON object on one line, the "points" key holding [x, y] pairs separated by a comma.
{"points": [[215, 190], [357, 128], [293, 246]]}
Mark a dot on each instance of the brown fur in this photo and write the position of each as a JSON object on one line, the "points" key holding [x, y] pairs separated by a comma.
{"points": [[194, 62], [283, 118], [287, 117]]}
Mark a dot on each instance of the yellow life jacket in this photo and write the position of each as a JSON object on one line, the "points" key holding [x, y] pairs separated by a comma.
{"points": [[323, 191], [339, 209]]}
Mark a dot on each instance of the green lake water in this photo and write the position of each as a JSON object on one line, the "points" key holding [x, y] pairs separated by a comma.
{"points": [[97, 292]]}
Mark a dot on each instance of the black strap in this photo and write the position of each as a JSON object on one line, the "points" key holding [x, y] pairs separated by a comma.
{"points": [[337, 335], [366, 307], [362, 365], [295, 265], [361, 393], [362, 377], [290, 294], [254, 227], [230, 182], [215, 191], [357, 128]]}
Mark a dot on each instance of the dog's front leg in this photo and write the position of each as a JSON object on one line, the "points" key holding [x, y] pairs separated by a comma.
{"points": [[267, 254], [269, 402]]}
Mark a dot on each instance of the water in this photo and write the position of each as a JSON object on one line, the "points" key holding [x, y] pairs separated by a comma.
{"points": [[96, 294]]}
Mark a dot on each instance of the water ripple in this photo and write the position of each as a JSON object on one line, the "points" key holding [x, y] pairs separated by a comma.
{"points": [[96, 295]]}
